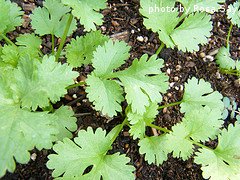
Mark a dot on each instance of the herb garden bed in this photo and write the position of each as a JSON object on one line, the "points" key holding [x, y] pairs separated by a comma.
{"points": [[122, 21]]}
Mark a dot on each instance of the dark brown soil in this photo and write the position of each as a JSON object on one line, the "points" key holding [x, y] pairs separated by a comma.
{"points": [[122, 21]]}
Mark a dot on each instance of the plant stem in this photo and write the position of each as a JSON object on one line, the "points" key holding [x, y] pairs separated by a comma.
{"points": [[76, 85], [200, 145], [229, 34], [119, 130], [52, 44], [158, 128], [230, 72], [160, 48], [169, 105], [63, 38], [7, 39]]}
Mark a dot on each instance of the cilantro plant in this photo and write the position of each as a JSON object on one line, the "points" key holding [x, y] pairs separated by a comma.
{"points": [[186, 31], [32, 82]]}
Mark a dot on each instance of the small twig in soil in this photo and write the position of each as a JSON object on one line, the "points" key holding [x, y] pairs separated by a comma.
{"points": [[82, 114]]}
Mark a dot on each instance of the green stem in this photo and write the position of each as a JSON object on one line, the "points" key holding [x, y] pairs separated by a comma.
{"points": [[52, 44], [230, 72], [63, 39], [229, 34], [200, 145], [169, 105], [76, 85], [160, 48], [119, 130], [7, 39], [158, 128]]}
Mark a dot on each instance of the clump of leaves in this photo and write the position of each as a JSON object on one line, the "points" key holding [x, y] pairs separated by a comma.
{"points": [[28, 84], [185, 32], [139, 86]]}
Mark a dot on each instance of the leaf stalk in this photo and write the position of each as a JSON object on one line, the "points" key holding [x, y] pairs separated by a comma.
{"points": [[63, 38], [170, 105], [7, 39], [229, 34]]}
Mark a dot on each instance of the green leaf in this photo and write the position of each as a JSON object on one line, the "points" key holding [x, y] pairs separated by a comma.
{"points": [[10, 16], [65, 122], [89, 149], [10, 55], [233, 13], [210, 6], [109, 57], [87, 11], [153, 148], [140, 87], [194, 30], [224, 59], [29, 44], [6, 82], [38, 83], [199, 93], [139, 122], [143, 81], [51, 18], [178, 142], [80, 50], [158, 20], [21, 130], [203, 123], [223, 162], [108, 98]]}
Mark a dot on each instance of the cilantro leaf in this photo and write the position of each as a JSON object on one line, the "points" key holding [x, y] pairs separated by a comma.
{"points": [[65, 122], [158, 14], [158, 21], [34, 79], [87, 12], [51, 18], [210, 6], [139, 122], [10, 55], [89, 149], [21, 130], [10, 16], [140, 88], [178, 142], [203, 123], [223, 162], [143, 81], [109, 57], [199, 93], [80, 50], [224, 59], [107, 100], [194, 30], [29, 44], [233, 13], [153, 148]]}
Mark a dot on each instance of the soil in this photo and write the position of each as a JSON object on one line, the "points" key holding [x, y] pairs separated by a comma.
{"points": [[123, 21]]}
